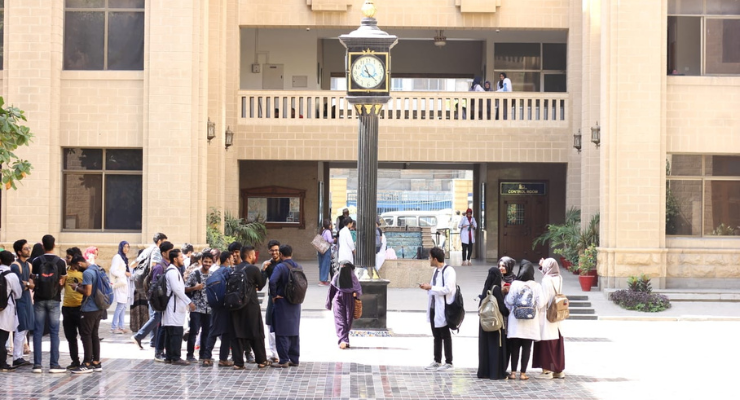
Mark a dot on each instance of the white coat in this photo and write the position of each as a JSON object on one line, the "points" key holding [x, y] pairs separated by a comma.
{"points": [[439, 293], [524, 328], [177, 307], [346, 246], [549, 330], [120, 280], [380, 256], [8, 317], [465, 227]]}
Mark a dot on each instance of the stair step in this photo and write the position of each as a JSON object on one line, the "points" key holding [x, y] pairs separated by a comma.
{"points": [[584, 317], [577, 297], [581, 311], [580, 304]]}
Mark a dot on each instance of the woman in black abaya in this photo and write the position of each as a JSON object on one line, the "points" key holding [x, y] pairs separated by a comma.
{"points": [[492, 354]]}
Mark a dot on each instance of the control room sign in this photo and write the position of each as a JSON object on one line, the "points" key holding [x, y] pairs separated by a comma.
{"points": [[523, 188]]}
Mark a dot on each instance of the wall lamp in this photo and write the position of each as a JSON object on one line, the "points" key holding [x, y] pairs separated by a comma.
{"points": [[577, 138], [596, 134], [229, 137], [211, 132]]}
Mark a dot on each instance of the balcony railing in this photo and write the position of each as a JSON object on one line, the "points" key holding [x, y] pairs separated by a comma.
{"points": [[409, 106]]}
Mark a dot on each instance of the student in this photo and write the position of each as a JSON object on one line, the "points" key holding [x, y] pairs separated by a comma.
{"points": [[441, 289], [120, 274], [467, 226], [325, 259], [346, 243], [286, 317], [549, 352], [344, 289], [24, 307], [221, 324], [200, 319], [522, 332], [173, 317], [249, 333], [492, 354], [267, 268], [8, 319], [71, 307], [90, 316]]}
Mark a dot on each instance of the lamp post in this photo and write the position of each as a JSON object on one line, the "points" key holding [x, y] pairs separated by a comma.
{"points": [[229, 137], [577, 139], [596, 134], [211, 130]]}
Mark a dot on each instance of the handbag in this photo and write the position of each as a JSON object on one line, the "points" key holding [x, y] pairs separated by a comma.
{"points": [[358, 309], [558, 309], [320, 244]]}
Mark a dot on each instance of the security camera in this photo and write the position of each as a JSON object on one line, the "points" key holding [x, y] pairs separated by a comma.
{"points": [[308, 29]]}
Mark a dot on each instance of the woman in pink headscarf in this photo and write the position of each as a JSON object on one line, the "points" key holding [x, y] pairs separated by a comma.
{"points": [[467, 235], [91, 254], [549, 352]]}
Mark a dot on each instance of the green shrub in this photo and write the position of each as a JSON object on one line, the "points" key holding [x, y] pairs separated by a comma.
{"points": [[639, 296]]}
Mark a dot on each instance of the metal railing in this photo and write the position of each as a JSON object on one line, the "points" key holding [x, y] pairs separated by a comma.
{"points": [[490, 107]]}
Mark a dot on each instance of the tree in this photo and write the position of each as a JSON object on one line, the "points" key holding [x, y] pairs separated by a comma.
{"points": [[12, 136]]}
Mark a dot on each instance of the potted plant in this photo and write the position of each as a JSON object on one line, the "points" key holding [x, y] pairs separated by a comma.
{"points": [[587, 263], [235, 230]]}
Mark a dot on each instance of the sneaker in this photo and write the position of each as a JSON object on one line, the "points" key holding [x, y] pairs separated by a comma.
{"points": [[446, 367], [97, 367], [56, 369], [433, 366], [192, 359], [180, 362], [81, 369], [20, 362], [277, 365], [73, 365], [292, 364], [7, 368], [558, 375], [158, 358], [137, 341], [37, 369], [546, 375]]}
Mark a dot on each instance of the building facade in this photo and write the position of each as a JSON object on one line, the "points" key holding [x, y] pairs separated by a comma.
{"points": [[120, 95]]}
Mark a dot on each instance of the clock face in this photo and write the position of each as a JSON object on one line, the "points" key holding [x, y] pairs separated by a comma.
{"points": [[368, 72]]}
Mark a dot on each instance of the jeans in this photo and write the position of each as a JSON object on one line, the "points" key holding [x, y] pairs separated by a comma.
{"points": [[43, 310], [198, 322], [173, 336], [89, 327], [324, 265], [118, 316], [151, 326], [71, 325]]}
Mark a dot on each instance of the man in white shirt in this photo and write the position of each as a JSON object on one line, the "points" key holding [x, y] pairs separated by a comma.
{"points": [[8, 320], [441, 290], [177, 306]]}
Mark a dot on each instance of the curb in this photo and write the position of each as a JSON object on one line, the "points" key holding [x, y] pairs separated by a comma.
{"points": [[686, 318]]}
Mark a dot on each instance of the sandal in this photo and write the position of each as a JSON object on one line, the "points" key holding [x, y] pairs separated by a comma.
{"points": [[512, 376], [264, 364], [523, 376]]}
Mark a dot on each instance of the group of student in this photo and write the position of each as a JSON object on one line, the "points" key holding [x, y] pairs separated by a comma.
{"points": [[523, 306]]}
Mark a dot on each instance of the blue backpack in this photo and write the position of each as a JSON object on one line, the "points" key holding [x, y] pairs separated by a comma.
{"points": [[102, 291], [216, 287]]}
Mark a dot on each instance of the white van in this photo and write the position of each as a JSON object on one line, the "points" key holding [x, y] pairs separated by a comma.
{"points": [[435, 219]]}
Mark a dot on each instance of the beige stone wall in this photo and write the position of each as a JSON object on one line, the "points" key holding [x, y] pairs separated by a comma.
{"points": [[435, 14]]}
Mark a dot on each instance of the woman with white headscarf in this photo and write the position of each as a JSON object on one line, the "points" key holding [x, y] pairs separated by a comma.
{"points": [[549, 352]]}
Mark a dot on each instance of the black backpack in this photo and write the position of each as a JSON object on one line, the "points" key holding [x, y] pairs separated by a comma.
{"points": [[143, 273], [47, 282], [455, 312], [157, 295], [4, 291], [295, 289], [239, 290]]}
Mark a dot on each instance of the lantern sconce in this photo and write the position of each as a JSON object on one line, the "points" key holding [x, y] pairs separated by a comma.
{"points": [[577, 139], [211, 132], [596, 134], [229, 137]]}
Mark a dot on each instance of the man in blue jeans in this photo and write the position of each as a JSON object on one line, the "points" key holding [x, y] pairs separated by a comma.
{"points": [[155, 317], [49, 273]]}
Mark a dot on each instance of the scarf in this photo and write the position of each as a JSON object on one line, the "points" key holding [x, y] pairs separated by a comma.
{"points": [[470, 229], [550, 267], [526, 272], [508, 263], [345, 276], [122, 254]]}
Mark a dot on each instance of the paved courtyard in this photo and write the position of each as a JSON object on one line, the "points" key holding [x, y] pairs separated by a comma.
{"points": [[606, 359]]}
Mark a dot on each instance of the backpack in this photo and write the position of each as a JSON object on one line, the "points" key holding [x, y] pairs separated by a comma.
{"points": [[524, 303], [5, 293], [558, 309], [103, 291], [239, 290], [142, 273], [378, 240], [199, 279], [295, 289], [157, 294], [455, 312], [491, 319], [216, 287], [47, 284]]}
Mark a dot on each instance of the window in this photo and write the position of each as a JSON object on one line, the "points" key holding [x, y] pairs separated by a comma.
{"points": [[533, 67], [104, 35], [427, 221], [102, 189], [703, 195], [277, 206], [703, 37]]}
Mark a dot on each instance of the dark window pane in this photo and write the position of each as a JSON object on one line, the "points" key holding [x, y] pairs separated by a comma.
{"points": [[123, 202], [683, 165], [83, 159], [525, 81], [85, 3], [554, 56], [685, 6], [723, 166], [556, 83], [723, 7], [83, 40], [722, 208], [2, 3], [684, 45], [123, 160], [683, 208], [126, 3], [279, 209], [83, 201], [126, 41], [509, 56], [722, 46]]}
